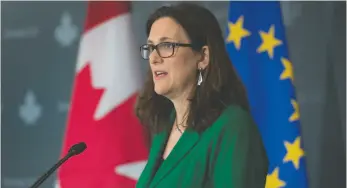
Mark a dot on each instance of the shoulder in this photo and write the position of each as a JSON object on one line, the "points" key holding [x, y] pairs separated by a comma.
{"points": [[233, 119], [236, 151], [235, 128]]}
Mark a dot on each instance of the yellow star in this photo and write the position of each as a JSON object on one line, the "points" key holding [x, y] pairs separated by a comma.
{"points": [[237, 32], [273, 181], [294, 152], [288, 69], [269, 41], [296, 115]]}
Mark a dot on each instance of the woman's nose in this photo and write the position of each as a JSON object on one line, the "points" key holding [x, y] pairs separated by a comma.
{"points": [[154, 57]]}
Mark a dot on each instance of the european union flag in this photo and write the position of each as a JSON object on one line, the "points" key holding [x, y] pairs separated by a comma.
{"points": [[257, 47]]}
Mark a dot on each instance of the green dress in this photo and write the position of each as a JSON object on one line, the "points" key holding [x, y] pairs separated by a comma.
{"points": [[228, 154]]}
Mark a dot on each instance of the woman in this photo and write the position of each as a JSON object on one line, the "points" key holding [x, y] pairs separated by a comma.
{"points": [[195, 107]]}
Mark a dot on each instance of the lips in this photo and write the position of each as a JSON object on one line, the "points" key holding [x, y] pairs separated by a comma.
{"points": [[159, 74]]}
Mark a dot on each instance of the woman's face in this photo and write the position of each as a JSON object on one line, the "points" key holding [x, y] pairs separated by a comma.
{"points": [[174, 75]]}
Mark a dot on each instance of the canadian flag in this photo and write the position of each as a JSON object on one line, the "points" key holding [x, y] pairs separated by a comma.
{"points": [[102, 108]]}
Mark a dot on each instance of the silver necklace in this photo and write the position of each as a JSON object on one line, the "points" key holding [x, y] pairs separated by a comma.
{"points": [[177, 128]]}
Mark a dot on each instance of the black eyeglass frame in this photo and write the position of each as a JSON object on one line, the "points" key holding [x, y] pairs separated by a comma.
{"points": [[155, 47]]}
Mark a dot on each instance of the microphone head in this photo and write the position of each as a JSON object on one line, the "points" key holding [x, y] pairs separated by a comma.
{"points": [[78, 148]]}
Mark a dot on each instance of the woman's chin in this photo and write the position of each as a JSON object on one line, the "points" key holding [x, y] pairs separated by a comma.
{"points": [[161, 90]]}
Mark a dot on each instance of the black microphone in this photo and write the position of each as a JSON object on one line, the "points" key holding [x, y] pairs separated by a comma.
{"points": [[74, 150]]}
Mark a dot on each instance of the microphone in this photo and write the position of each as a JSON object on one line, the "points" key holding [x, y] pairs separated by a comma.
{"points": [[74, 150]]}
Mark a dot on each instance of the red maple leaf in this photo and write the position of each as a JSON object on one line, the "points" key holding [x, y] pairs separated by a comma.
{"points": [[116, 139]]}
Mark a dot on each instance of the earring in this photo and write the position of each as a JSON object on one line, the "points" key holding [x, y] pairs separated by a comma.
{"points": [[200, 77]]}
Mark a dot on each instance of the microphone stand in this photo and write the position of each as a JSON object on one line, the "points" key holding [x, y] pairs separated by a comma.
{"points": [[51, 170]]}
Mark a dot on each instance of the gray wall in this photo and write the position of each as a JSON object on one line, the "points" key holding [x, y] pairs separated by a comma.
{"points": [[39, 51]]}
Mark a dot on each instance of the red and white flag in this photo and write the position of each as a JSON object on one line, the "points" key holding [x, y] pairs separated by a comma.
{"points": [[102, 107]]}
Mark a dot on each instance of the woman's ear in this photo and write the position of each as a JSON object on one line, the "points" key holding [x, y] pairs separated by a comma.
{"points": [[205, 58]]}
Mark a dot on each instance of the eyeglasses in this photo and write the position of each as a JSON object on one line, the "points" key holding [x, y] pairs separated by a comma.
{"points": [[164, 49]]}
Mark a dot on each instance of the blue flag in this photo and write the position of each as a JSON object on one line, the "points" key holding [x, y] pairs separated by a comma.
{"points": [[258, 50]]}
